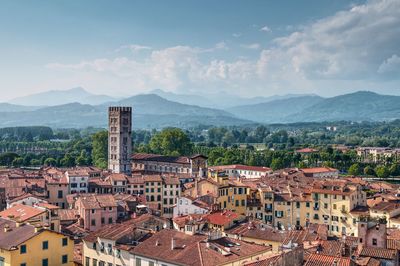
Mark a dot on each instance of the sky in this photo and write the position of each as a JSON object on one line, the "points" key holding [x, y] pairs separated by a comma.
{"points": [[246, 48]]}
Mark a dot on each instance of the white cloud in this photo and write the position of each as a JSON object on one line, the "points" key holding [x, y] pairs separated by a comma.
{"points": [[252, 46], [390, 65], [266, 29], [133, 48], [349, 45], [350, 49], [236, 34]]}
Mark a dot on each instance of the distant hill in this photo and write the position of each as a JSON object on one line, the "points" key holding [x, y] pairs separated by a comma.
{"points": [[153, 111], [358, 106], [275, 111], [152, 104], [59, 97], [8, 107], [220, 100], [149, 111]]}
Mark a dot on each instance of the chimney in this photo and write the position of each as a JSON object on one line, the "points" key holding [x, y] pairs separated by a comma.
{"points": [[172, 243], [7, 228]]}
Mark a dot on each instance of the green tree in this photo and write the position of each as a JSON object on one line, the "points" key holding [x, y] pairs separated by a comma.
{"points": [[100, 149], [68, 160], [7, 158], [368, 170], [382, 171], [50, 162], [172, 142], [277, 163], [18, 162], [83, 159], [354, 169], [35, 162], [394, 169]]}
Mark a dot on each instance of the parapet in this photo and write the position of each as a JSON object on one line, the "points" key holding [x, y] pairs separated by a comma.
{"points": [[120, 109]]}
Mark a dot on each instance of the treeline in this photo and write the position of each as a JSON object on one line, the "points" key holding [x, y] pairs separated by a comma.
{"points": [[287, 136], [273, 146], [26, 134]]}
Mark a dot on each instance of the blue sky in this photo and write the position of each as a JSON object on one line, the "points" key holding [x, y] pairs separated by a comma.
{"points": [[247, 48]]}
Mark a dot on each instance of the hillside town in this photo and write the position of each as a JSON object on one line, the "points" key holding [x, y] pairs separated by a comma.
{"points": [[155, 210]]}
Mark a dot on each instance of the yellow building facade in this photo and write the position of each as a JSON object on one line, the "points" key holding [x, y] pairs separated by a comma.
{"points": [[41, 247]]}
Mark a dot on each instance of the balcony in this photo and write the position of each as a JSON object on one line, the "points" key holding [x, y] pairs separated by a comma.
{"points": [[316, 208]]}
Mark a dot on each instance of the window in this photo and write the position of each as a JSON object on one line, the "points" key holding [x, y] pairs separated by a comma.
{"points": [[110, 220], [307, 204], [374, 241], [60, 194], [64, 259], [93, 222], [45, 245], [22, 264], [151, 263], [237, 203], [334, 206], [243, 202], [325, 205], [87, 261], [138, 262], [325, 196], [103, 220], [22, 249], [45, 262], [94, 262]]}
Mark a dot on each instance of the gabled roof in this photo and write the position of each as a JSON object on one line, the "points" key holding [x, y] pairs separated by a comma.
{"points": [[16, 235], [380, 253], [12, 235], [196, 250], [326, 260], [21, 213], [97, 201], [222, 217]]}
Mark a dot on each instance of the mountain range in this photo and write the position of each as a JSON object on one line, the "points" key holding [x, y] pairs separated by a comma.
{"points": [[59, 97], [79, 108]]}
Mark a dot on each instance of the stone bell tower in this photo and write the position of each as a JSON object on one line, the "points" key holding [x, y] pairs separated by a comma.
{"points": [[119, 139]]}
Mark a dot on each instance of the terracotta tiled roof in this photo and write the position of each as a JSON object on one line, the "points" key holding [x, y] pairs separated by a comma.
{"points": [[258, 231], [21, 212], [325, 260], [222, 217], [160, 158], [47, 206], [306, 150], [118, 177], [97, 201], [15, 235], [196, 250], [111, 232], [380, 253], [316, 170], [385, 206], [68, 214], [241, 167], [169, 180]]}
